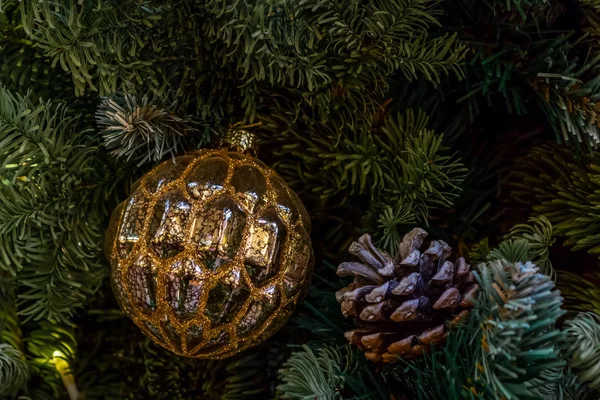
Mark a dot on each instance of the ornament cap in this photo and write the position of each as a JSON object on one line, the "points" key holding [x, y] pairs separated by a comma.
{"points": [[239, 138]]}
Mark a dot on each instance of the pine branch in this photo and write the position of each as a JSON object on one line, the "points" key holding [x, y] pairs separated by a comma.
{"points": [[50, 222], [400, 163], [23, 67], [584, 334], [581, 291], [145, 132], [50, 340], [564, 190], [573, 389], [539, 237], [571, 99], [13, 370], [514, 251], [524, 242], [447, 372], [307, 375], [591, 18], [391, 221], [508, 40], [307, 45], [328, 373]]}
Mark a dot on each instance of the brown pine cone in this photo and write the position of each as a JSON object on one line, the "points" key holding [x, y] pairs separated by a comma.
{"points": [[405, 304]]}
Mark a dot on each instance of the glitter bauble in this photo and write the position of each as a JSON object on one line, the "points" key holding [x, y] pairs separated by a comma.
{"points": [[210, 253]]}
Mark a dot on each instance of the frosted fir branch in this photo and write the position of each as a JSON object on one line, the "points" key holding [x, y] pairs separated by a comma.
{"points": [[520, 345]]}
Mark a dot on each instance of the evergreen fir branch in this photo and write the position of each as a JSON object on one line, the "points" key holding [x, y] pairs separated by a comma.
{"points": [[563, 384], [307, 375], [581, 291], [521, 5], [564, 189], [344, 39], [520, 343], [518, 43], [14, 373], [428, 178], [480, 252], [400, 163], [539, 237], [328, 373], [314, 46], [10, 328], [571, 388], [524, 242], [389, 223], [534, 65], [568, 87], [320, 315], [24, 67], [50, 224], [91, 41], [514, 251], [591, 19], [142, 131], [584, 334], [48, 341], [447, 372]]}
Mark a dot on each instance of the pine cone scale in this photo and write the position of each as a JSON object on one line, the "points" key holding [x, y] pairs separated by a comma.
{"points": [[404, 304]]}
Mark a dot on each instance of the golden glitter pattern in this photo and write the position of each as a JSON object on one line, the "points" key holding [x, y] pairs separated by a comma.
{"points": [[210, 253]]}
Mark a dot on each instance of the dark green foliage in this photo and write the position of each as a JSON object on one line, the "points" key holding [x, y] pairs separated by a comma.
{"points": [[331, 373], [53, 193], [539, 237], [584, 336], [581, 292], [24, 68], [572, 389], [306, 375], [514, 251], [521, 61], [564, 189], [570, 93], [390, 221], [447, 373], [140, 130], [364, 108], [310, 46], [402, 167], [14, 372], [524, 242]]}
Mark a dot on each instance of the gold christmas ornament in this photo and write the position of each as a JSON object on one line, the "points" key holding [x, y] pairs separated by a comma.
{"points": [[210, 253]]}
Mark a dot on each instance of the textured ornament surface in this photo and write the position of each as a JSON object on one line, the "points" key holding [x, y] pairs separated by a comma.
{"points": [[210, 253]]}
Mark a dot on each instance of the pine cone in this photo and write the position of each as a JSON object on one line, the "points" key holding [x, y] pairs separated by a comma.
{"points": [[405, 304]]}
